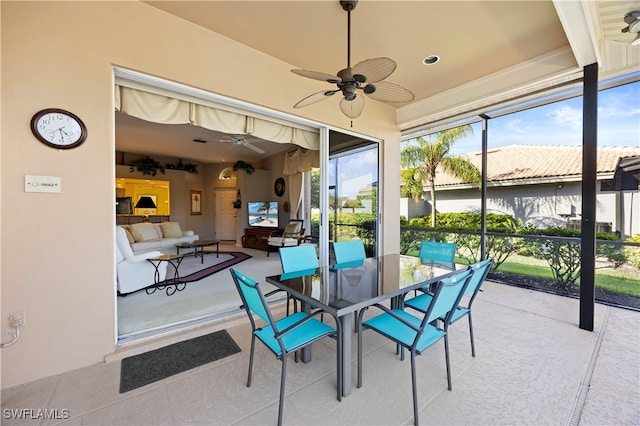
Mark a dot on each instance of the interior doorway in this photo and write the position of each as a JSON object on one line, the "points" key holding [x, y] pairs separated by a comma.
{"points": [[225, 215]]}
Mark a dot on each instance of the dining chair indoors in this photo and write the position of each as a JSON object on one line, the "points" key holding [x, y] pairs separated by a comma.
{"points": [[349, 251], [414, 333], [285, 335], [443, 253], [480, 270]]}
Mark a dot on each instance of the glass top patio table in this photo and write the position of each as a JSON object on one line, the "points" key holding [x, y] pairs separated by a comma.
{"points": [[341, 289]]}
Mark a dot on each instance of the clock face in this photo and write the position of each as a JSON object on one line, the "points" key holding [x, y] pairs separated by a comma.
{"points": [[58, 128]]}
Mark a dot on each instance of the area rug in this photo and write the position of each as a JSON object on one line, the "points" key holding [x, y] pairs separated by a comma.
{"points": [[149, 367], [192, 269]]}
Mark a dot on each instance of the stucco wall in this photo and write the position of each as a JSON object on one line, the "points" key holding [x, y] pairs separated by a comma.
{"points": [[57, 249], [541, 205]]}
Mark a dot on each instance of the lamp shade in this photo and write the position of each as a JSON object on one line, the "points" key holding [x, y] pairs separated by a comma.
{"points": [[145, 203]]}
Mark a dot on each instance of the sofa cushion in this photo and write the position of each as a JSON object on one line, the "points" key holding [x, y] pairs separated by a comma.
{"points": [[171, 230], [146, 231], [129, 236]]}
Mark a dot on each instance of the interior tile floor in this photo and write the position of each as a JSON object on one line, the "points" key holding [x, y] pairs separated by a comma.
{"points": [[533, 365]]}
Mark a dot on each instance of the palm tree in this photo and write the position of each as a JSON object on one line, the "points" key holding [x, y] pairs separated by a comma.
{"points": [[420, 163]]}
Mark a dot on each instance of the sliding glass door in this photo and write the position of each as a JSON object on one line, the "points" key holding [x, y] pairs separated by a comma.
{"points": [[353, 178]]}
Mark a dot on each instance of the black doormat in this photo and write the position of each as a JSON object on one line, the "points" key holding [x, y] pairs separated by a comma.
{"points": [[149, 367]]}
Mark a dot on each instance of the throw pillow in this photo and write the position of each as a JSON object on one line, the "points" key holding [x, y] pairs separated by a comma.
{"points": [[144, 232], [171, 230], [292, 229], [129, 236]]}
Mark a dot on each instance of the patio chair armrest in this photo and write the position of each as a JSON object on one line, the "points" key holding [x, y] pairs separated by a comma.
{"points": [[306, 319], [396, 316]]}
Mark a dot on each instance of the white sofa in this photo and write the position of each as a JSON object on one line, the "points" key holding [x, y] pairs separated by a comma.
{"points": [[133, 271], [145, 237]]}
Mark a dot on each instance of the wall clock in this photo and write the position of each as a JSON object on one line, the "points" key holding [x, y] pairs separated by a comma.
{"points": [[58, 128], [278, 187]]}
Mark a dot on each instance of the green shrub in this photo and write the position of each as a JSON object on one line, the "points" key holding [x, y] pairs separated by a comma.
{"points": [[633, 253]]}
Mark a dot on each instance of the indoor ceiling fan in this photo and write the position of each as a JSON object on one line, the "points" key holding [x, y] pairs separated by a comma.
{"points": [[240, 140], [365, 78]]}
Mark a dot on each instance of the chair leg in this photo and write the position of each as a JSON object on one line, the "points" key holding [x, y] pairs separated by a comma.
{"points": [[339, 358], [446, 357], [253, 343], [282, 383], [414, 386], [359, 382], [473, 347]]}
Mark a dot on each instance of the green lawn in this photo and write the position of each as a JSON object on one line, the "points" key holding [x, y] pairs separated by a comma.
{"points": [[607, 278]]}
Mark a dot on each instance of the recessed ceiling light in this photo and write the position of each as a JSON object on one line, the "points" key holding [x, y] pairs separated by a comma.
{"points": [[430, 60]]}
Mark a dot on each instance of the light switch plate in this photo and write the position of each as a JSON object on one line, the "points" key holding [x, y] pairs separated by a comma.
{"points": [[41, 183]]}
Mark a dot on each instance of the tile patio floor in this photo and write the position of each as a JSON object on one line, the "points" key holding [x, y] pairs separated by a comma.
{"points": [[533, 366]]}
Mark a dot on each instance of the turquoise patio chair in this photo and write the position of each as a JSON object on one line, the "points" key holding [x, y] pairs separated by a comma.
{"points": [[283, 336], [349, 251], [437, 252], [298, 258], [346, 253], [417, 334], [480, 270], [295, 259]]}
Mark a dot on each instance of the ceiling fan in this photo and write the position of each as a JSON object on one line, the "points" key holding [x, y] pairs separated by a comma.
{"points": [[365, 78], [240, 140], [632, 19]]}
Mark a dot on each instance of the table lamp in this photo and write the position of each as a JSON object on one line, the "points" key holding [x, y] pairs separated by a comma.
{"points": [[146, 203]]}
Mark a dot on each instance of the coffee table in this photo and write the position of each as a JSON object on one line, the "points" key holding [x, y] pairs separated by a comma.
{"points": [[199, 246]]}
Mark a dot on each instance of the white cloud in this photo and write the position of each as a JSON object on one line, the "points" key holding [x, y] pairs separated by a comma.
{"points": [[566, 116]]}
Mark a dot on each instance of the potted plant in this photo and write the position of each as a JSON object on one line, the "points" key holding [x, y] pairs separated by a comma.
{"points": [[146, 166], [244, 166]]}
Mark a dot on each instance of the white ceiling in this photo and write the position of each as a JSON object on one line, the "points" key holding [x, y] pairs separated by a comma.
{"points": [[479, 43]]}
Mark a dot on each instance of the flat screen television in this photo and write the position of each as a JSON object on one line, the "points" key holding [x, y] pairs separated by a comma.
{"points": [[263, 214]]}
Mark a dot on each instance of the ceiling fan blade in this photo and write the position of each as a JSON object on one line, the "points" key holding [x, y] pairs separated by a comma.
{"points": [[253, 147], [316, 97], [391, 92], [375, 69], [316, 75], [352, 109]]}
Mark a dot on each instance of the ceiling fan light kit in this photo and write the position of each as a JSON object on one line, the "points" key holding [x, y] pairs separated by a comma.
{"points": [[364, 78], [632, 19]]}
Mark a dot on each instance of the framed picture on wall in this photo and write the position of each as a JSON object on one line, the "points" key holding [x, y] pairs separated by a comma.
{"points": [[196, 202]]}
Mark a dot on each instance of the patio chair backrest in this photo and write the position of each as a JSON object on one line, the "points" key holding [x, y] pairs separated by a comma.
{"points": [[298, 258], [440, 252], [252, 298], [480, 271], [348, 251], [447, 296]]}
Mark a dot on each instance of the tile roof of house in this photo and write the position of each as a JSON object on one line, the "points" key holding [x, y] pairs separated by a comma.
{"points": [[527, 162]]}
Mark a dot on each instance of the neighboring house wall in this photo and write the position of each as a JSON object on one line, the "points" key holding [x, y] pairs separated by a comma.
{"points": [[409, 208], [629, 223], [546, 205]]}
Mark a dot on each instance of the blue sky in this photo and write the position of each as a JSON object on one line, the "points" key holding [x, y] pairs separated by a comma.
{"points": [[560, 123]]}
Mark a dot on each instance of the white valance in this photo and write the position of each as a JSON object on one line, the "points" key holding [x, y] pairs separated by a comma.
{"points": [[167, 110], [300, 161]]}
